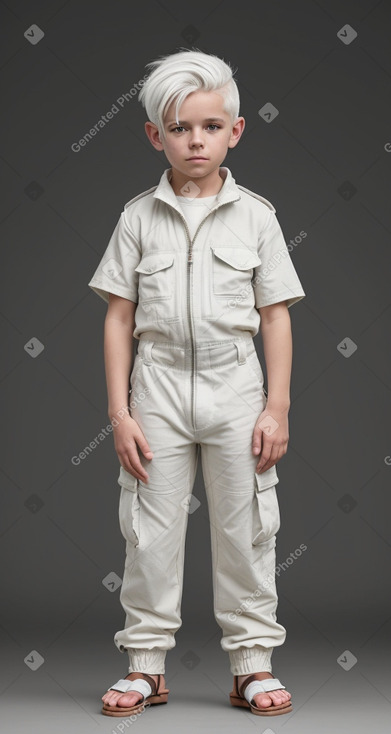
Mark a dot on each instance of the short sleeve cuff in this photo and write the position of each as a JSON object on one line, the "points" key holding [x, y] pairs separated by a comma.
{"points": [[288, 296], [103, 289]]}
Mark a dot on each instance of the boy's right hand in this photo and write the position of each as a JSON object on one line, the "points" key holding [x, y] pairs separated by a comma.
{"points": [[127, 436]]}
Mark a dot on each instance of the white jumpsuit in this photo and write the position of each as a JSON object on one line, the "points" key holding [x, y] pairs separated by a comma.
{"points": [[197, 387]]}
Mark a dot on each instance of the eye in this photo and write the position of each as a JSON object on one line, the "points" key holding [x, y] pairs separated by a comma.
{"points": [[180, 127]]}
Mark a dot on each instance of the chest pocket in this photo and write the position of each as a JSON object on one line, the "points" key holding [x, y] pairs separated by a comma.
{"points": [[232, 270], [156, 279]]}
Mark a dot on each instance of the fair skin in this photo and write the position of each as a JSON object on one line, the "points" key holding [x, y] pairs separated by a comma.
{"points": [[205, 130]]}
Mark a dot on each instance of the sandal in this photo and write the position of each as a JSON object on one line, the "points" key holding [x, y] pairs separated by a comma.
{"points": [[142, 683], [253, 685]]}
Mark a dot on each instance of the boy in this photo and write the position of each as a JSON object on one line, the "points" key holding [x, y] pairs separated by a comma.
{"points": [[193, 267]]}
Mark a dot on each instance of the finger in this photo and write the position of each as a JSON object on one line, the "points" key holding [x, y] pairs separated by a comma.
{"points": [[265, 467], [276, 452], [264, 461], [144, 445], [132, 464], [257, 440], [136, 471]]}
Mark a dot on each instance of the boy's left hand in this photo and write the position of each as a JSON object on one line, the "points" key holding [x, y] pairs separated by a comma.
{"points": [[270, 438]]}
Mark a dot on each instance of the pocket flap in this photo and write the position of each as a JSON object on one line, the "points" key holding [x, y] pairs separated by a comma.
{"points": [[154, 262], [127, 480], [238, 257], [267, 479], [267, 515]]}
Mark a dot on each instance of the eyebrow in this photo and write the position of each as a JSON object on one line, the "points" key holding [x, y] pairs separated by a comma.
{"points": [[207, 119]]}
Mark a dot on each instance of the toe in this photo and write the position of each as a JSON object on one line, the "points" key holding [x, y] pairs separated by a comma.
{"points": [[283, 695], [109, 697], [114, 698], [276, 698], [263, 700], [129, 699]]}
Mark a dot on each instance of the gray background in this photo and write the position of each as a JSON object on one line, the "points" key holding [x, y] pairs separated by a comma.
{"points": [[324, 162]]}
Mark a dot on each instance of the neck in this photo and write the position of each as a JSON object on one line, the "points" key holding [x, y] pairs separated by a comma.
{"points": [[209, 185]]}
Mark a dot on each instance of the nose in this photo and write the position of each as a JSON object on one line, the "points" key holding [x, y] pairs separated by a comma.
{"points": [[196, 139]]}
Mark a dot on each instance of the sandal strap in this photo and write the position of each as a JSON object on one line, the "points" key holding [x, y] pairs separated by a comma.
{"points": [[270, 684], [154, 686], [140, 685], [261, 686]]}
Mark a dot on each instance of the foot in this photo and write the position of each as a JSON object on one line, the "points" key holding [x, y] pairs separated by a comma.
{"points": [[116, 698], [265, 700]]}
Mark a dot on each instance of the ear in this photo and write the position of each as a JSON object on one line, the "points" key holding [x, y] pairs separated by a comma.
{"points": [[152, 133], [237, 131]]}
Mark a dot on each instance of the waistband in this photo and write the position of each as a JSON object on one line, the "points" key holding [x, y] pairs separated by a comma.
{"points": [[206, 354]]}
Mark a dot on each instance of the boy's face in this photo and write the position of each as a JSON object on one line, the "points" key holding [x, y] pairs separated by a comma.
{"points": [[205, 130]]}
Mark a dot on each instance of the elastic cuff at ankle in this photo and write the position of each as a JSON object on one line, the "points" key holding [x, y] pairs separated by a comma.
{"points": [[255, 659], [142, 660]]}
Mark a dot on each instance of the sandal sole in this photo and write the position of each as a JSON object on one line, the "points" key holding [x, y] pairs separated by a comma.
{"points": [[125, 711], [274, 710]]}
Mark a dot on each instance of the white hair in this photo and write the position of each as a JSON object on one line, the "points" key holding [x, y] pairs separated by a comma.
{"points": [[177, 75]]}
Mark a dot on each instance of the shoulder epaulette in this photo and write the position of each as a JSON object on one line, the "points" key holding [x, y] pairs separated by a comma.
{"points": [[143, 193], [257, 196]]}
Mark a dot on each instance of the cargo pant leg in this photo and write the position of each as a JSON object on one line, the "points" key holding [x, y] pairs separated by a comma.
{"points": [[153, 519], [244, 516]]}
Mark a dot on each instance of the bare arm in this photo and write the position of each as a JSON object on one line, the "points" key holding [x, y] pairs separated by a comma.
{"points": [[277, 346], [118, 337], [118, 343]]}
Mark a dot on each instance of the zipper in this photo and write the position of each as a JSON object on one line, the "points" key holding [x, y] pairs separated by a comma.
{"points": [[189, 311]]}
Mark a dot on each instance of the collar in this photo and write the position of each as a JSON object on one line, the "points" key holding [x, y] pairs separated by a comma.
{"points": [[228, 192]]}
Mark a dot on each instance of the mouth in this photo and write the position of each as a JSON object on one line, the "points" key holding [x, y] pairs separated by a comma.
{"points": [[197, 158]]}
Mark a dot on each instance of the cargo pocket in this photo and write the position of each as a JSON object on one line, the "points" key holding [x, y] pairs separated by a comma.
{"points": [[233, 271], [129, 507], [267, 512], [156, 277]]}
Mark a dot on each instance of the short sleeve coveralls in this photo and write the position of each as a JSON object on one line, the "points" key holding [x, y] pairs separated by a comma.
{"points": [[197, 386]]}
